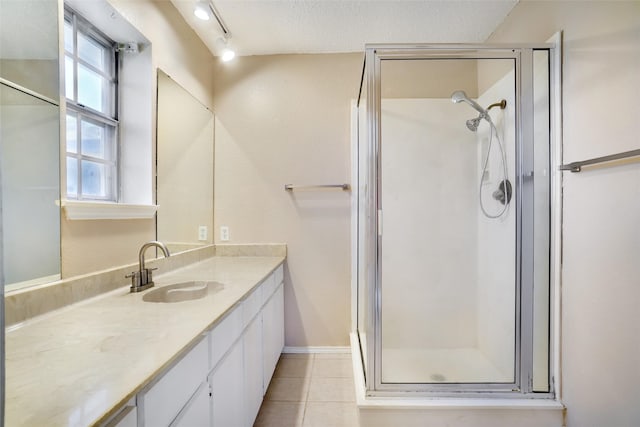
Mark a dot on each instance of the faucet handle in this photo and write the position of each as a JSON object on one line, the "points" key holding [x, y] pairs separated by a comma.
{"points": [[134, 275], [135, 278], [149, 275]]}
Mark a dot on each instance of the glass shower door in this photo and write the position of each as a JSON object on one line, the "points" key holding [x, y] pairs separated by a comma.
{"points": [[447, 200]]}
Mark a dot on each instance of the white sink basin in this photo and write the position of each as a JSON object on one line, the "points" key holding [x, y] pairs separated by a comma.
{"points": [[185, 291]]}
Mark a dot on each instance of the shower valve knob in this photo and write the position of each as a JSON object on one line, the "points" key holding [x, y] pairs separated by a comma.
{"points": [[503, 193]]}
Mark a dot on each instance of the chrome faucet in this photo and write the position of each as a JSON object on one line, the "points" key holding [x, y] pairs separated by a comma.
{"points": [[142, 279]]}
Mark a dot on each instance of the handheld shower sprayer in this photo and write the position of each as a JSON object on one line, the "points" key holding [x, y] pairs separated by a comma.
{"points": [[504, 191], [460, 96], [472, 124]]}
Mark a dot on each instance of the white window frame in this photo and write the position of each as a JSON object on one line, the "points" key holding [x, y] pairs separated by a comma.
{"points": [[109, 121]]}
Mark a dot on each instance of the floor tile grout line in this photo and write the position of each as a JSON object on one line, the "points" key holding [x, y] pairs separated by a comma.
{"points": [[306, 398], [312, 376]]}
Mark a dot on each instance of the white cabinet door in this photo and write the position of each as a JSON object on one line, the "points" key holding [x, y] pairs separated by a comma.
{"points": [[227, 383], [197, 413], [273, 333], [253, 369]]}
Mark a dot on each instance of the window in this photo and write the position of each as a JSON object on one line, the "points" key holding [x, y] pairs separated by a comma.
{"points": [[91, 90]]}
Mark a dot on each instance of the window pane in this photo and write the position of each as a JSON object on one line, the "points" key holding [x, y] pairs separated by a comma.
{"points": [[94, 179], [93, 139], [89, 69], [72, 177], [72, 134], [68, 78], [68, 37], [90, 89], [91, 51]]}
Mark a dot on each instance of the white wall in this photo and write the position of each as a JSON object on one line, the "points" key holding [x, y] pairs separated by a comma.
{"points": [[429, 240], [136, 93], [600, 345], [285, 119]]}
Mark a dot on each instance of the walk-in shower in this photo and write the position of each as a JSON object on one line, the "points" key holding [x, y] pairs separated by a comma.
{"points": [[454, 227]]}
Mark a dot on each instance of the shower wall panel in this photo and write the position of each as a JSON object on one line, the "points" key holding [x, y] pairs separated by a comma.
{"points": [[429, 241]]}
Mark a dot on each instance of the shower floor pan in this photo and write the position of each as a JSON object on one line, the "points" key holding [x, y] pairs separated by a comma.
{"points": [[449, 365]]}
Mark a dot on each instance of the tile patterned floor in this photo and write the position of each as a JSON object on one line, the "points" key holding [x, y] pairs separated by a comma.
{"points": [[310, 390]]}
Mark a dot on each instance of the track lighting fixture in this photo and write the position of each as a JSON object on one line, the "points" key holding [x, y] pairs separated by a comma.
{"points": [[204, 9], [201, 10], [224, 47]]}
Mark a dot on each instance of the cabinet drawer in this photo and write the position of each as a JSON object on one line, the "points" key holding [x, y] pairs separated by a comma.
{"points": [[164, 400], [268, 287], [251, 306], [128, 417], [279, 274], [223, 335]]}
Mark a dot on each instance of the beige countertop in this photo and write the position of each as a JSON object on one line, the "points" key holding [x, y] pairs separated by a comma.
{"points": [[76, 366]]}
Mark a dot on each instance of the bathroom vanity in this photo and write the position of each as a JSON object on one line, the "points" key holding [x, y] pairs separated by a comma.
{"points": [[121, 360]]}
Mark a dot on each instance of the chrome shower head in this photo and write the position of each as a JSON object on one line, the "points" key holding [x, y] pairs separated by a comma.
{"points": [[459, 96], [472, 124]]}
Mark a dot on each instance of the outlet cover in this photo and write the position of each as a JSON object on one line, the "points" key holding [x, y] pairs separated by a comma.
{"points": [[202, 232], [224, 233]]}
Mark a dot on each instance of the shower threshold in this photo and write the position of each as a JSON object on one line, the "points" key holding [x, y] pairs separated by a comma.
{"points": [[411, 410]]}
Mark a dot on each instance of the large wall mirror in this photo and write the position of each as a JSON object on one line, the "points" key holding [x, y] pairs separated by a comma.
{"points": [[29, 45], [29, 142], [29, 153], [185, 153]]}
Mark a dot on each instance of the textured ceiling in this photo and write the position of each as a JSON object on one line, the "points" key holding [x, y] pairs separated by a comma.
{"points": [[261, 27]]}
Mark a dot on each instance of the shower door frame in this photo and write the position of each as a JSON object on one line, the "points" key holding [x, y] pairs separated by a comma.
{"points": [[522, 55]]}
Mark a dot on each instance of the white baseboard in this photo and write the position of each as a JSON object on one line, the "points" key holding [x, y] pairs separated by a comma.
{"points": [[309, 350]]}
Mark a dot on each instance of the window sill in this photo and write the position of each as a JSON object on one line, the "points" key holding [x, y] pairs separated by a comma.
{"points": [[81, 210]]}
